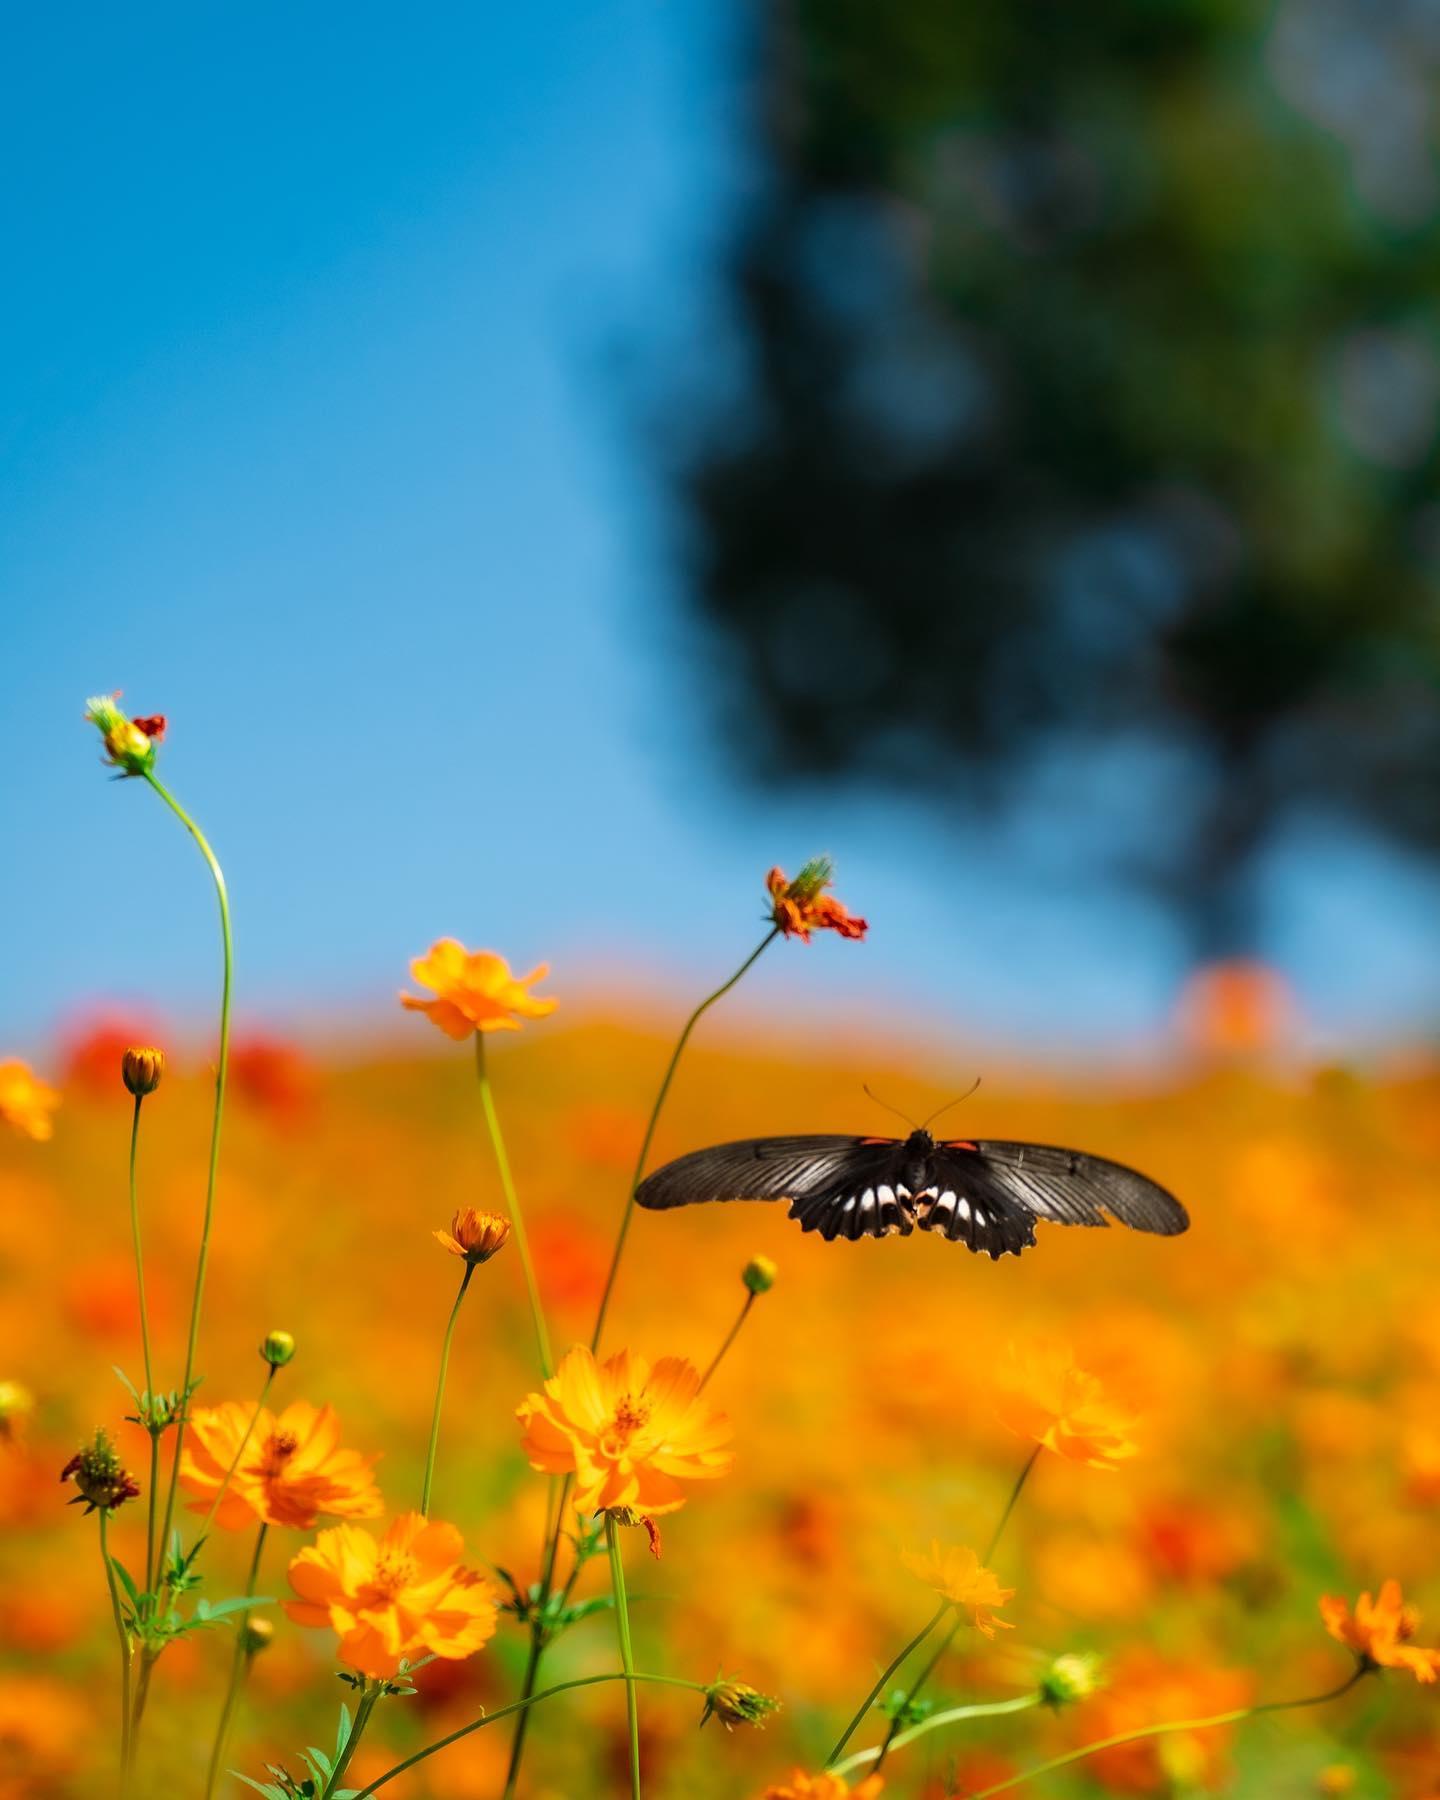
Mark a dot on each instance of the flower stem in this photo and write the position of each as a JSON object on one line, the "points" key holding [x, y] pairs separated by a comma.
{"points": [[440, 1389], [955, 1715], [124, 1637], [627, 1658], [222, 1070], [512, 1201], [654, 1120], [1239, 1714], [730, 1338], [522, 1706], [367, 1705], [249, 1432], [875, 1692], [144, 1339], [239, 1668]]}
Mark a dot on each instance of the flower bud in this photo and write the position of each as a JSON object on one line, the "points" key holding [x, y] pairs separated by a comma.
{"points": [[1074, 1676], [277, 1348], [256, 1634], [129, 743], [141, 1068], [759, 1274], [734, 1703], [476, 1236], [16, 1405], [97, 1472]]}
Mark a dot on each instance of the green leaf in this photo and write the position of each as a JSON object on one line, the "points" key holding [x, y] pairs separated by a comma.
{"points": [[127, 1383], [126, 1581], [222, 1609], [318, 1763], [342, 1735], [268, 1788]]}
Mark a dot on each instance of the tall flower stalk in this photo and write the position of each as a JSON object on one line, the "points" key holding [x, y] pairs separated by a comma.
{"points": [[141, 1070], [239, 1669], [627, 1655]]}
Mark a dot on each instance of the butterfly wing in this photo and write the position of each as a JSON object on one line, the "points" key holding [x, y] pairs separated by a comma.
{"points": [[838, 1186], [1066, 1187]]}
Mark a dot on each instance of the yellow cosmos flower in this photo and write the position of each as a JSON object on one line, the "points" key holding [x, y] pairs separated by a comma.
{"points": [[26, 1103], [292, 1469], [1044, 1396], [475, 990], [956, 1575], [474, 1235], [629, 1433], [403, 1596], [1378, 1631]]}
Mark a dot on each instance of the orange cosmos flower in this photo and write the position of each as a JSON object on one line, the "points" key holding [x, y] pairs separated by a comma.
{"points": [[957, 1576], [474, 990], [1043, 1395], [629, 1433], [26, 1103], [824, 1786], [1378, 1632], [406, 1595], [1145, 1688], [801, 906], [474, 1235], [291, 1471]]}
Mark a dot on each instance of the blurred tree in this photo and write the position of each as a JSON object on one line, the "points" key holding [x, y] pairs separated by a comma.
{"points": [[1079, 434]]}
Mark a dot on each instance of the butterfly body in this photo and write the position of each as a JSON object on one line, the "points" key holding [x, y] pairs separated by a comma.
{"points": [[986, 1194]]}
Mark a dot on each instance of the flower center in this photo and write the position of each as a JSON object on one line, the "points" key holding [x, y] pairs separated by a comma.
{"points": [[278, 1451], [630, 1415], [392, 1575]]}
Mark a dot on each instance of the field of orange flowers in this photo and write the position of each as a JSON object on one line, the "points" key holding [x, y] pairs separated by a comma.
{"points": [[1223, 1448]]}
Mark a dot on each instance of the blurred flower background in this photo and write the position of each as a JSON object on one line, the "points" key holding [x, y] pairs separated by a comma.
{"points": [[550, 469]]}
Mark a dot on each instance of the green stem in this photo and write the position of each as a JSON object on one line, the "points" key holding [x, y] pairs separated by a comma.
{"points": [[522, 1706], [730, 1338], [352, 1743], [955, 1715], [239, 1668], [512, 1200], [144, 1332], [440, 1389], [627, 1656], [124, 1638], [1015, 1492], [900, 1657], [654, 1120], [239, 1452], [1235, 1717], [222, 1070]]}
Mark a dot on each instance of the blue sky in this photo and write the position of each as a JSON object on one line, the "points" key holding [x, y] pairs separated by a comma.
{"points": [[315, 439]]}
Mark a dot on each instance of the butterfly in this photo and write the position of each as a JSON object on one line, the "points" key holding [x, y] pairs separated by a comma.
{"points": [[984, 1193]]}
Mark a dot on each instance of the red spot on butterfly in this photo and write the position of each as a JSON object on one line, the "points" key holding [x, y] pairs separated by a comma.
{"points": [[960, 1144]]}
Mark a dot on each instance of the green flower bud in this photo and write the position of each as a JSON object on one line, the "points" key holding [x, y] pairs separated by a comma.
{"points": [[1074, 1676], [278, 1348], [759, 1274]]}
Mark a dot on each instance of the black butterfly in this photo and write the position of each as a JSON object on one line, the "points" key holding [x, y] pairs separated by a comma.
{"points": [[983, 1193]]}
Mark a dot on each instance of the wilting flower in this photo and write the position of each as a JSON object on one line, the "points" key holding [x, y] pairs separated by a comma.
{"points": [[16, 1405], [406, 1595], [1378, 1631], [129, 743], [736, 1703], [824, 1786], [102, 1482], [474, 990], [1044, 1396], [141, 1068], [956, 1575], [629, 1433], [292, 1470], [474, 1235], [26, 1103], [801, 906]]}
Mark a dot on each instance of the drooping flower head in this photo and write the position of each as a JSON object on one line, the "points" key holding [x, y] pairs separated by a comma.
{"points": [[956, 1574], [630, 1433], [803, 905], [404, 1595], [129, 743], [736, 1703], [26, 1103], [1379, 1632], [101, 1481], [1043, 1395], [824, 1786], [476, 1236], [474, 990], [292, 1470]]}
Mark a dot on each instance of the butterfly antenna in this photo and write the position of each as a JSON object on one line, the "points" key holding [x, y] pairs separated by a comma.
{"points": [[886, 1104], [942, 1110]]}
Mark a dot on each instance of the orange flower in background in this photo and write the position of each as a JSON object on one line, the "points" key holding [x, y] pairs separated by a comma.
{"points": [[825, 1786], [291, 1472], [801, 906], [1236, 1008], [26, 1103], [474, 1235], [1145, 1689], [1378, 1631], [1043, 1395], [403, 1596], [474, 990], [630, 1433], [956, 1575], [275, 1078]]}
